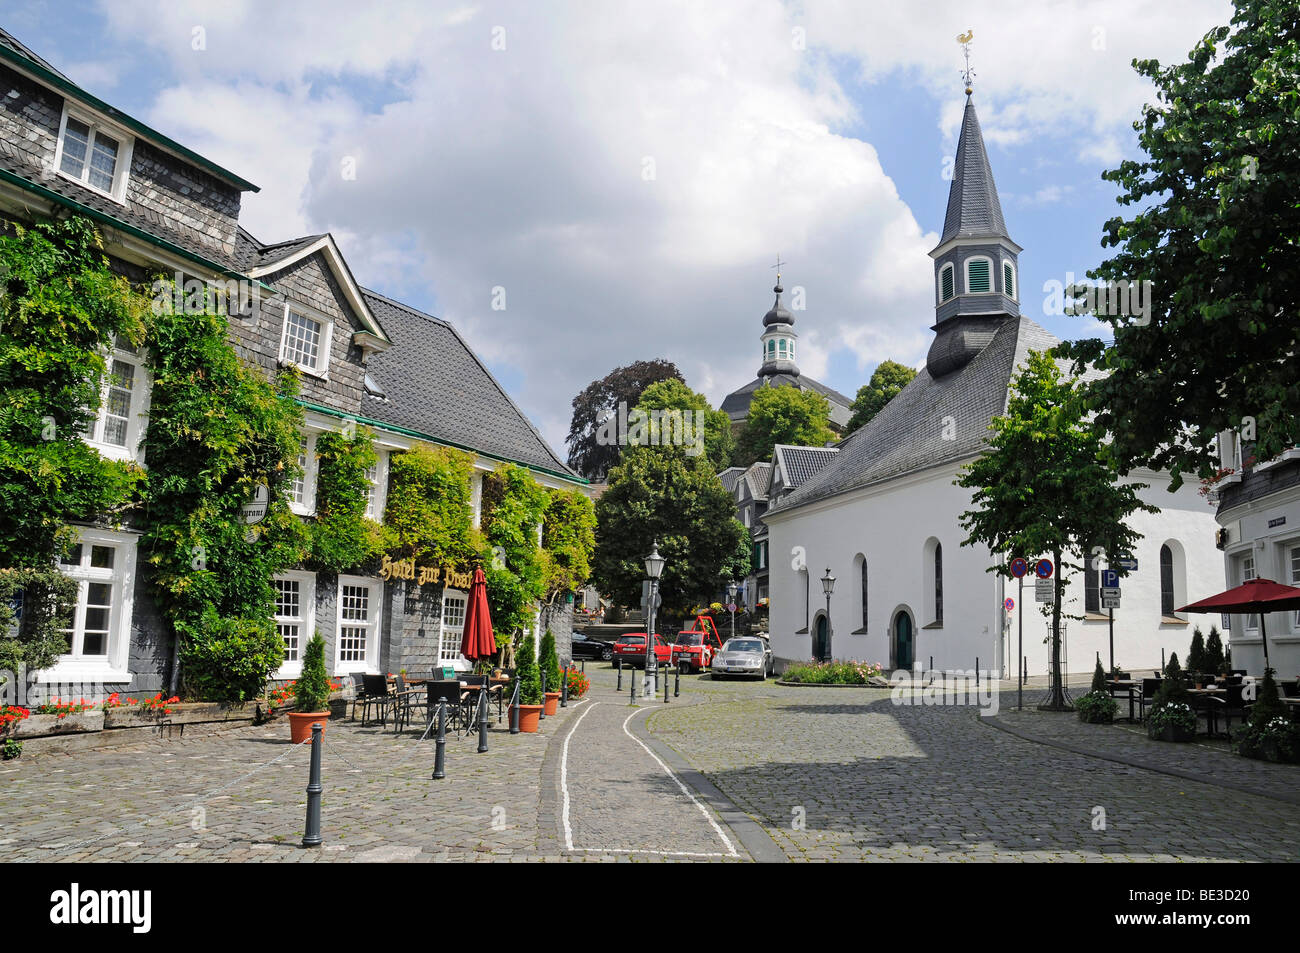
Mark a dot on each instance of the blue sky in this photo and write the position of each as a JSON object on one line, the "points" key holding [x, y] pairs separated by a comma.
{"points": [[816, 130]]}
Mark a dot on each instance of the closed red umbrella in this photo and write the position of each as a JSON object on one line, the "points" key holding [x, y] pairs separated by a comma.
{"points": [[1257, 595], [477, 641]]}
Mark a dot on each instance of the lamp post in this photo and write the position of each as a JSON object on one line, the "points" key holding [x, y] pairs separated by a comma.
{"points": [[828, 586], [654, 568], [732, 589]]}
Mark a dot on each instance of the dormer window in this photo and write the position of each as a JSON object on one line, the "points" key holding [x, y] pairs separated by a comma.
{"points": [[946, 283], [979, 276], [93, 153], [1009, 280], [306, 341]]}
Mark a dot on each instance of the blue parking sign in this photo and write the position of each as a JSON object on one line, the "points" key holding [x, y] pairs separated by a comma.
{"points": [[1109, 578]]}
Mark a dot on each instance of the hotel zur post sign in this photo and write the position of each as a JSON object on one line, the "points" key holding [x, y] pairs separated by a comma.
{"points": [[392, 568]]}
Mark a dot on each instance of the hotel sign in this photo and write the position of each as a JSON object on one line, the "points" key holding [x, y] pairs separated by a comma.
{"points": [[392, 568]]}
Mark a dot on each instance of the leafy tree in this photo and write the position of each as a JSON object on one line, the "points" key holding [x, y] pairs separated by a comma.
{"points": [[600, 398], [784, 415], [1044, 487], [718, 442], [568, 541], [514, 506], [888, 379], [429, 514], [342, 537], [1215, 233], [741, 562], [659, 493]]}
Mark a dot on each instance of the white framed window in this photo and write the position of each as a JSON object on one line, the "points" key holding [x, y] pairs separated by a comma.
{"points": [[306, 340], [377, 487], [1247, 574], [103, 565], [94, 153], [295, 617], [1009, 280], [1293, 564], [454, 604], [123, 405], [359, 612], [947, 282], [302, 491], [979, 275]]}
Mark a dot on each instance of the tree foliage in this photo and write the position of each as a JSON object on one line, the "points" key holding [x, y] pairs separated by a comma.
{"points": [[886, 382], [514, 506], [718, 442], [429, 514], [659, 493], [568, 540], [602, 397], [1045, 486], [784, 415], [342, 537], [1216, 233]]}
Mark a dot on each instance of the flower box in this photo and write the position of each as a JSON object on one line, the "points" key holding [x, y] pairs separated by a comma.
{"points": [[36, 726]]}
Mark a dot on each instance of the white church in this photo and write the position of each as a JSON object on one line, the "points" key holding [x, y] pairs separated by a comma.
{"points": [[883, 515]]}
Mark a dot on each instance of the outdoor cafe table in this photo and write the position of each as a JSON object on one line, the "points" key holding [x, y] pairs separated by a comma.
{"points": [[1210, 720], [1124, 685]]}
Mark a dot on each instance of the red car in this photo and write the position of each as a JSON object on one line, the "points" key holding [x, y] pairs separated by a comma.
{"points": [[695, 648], [631, 649]]}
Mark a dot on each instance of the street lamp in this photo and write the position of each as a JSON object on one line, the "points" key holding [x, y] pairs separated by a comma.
{"points": [[654, 568], [732, 589], [828, 586]]}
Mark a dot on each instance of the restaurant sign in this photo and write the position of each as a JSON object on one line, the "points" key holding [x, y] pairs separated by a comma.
{"points": [[392, 568]]}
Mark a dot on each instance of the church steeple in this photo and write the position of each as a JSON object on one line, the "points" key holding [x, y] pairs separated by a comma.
{"points": [[778, 337], [976, 264]]}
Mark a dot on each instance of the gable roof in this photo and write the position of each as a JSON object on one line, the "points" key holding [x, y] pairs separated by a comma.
{"points": [[736, 404], [800, 464], [730, 477], [973, 205], [276, 258], [757, 478], [908, 434], [434, 384]]}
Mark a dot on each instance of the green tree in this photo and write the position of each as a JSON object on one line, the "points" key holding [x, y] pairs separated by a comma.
{"points": [[514, 507], [312, 688], [342, 537], [888, 379], [1044, 487], [429, 514], [568, 541], [784, 415], [1196, 659], [1215, 232], [717, 441], [1214, 660], [527, 674], [659, 493], [588, 455], [549, 661]]}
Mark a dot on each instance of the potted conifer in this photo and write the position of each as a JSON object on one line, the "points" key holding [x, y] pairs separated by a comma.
{"points": [[311, 692], [530, 687], [549, 663], [1097, 707], [1172, 717]]}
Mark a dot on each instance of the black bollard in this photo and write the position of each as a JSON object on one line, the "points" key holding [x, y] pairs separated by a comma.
{"points": [[542, 714], [677, 682], [618, 667], [631, 691], [440, 751], [311, 836], [514, 710], [482, 720], [584, 666], [977, 673], [564, 689], [665, 688]]}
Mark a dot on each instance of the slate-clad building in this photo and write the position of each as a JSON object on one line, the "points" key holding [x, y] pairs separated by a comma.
{"points": [[363, 357]]}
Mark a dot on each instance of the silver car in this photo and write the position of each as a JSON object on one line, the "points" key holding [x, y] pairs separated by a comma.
{"points": [[744, 655]]}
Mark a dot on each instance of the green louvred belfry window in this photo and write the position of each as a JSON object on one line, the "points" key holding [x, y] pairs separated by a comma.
{"points": [[1008, 280], [945, 282], [978, 273]]}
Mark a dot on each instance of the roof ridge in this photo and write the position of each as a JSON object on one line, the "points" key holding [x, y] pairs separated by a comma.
{"points": [[416, 312]]}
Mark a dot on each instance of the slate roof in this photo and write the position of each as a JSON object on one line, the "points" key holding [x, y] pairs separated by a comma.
{"points": [[250, 253], [973, 205], [758, 476], [907, 435], [736, 404], [11, 42], [434, 384], [730, 477], [800, 464]]}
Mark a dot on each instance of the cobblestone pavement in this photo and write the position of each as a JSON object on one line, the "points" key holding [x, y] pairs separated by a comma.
{"points": [[845, 774], [828, 774]]}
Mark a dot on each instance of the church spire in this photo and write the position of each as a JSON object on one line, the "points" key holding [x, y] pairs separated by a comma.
{"points": [[778, 337]]}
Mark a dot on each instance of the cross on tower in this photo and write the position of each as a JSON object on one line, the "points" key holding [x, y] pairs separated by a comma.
{"points": [[778, 265]]}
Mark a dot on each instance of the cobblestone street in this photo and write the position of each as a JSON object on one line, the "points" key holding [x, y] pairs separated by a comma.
{"points": [[826, 774]]}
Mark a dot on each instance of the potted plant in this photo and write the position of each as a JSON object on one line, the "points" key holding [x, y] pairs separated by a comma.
{"points": [[549, 663], [312, 692], [1214, 658], [1172, 717], [1270, 734], [1097, 707], [530, 687], [1196, 660]]}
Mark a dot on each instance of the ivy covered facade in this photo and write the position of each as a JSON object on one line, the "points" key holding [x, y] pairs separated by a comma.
{"points": [[294, 452]]}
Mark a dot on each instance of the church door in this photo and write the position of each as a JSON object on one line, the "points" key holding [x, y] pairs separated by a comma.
{"points": [[819, 639], [903, 648]]}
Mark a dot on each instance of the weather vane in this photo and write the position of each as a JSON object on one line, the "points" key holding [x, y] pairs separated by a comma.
{"points": [[968, 74]]}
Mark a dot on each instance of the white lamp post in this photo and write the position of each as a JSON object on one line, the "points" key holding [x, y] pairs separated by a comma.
{"points": [[828, 586]]}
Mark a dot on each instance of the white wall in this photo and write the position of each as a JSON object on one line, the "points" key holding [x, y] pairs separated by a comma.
{"points": [[890, 527]]}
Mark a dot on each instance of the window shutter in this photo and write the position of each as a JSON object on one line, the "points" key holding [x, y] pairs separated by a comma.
{"points": [[978, 274], [1008, 280], [945, 279]]}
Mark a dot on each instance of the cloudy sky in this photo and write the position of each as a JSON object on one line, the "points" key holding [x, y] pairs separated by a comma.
{"points": [[627, 172]]}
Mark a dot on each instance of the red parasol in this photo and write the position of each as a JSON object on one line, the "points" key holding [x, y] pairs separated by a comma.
{"points": [[1257, 595], [477, 641]]}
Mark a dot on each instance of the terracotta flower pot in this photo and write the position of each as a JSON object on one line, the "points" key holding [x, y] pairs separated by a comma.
{"points": [[552, 703], [528, 716], [300, 723]]}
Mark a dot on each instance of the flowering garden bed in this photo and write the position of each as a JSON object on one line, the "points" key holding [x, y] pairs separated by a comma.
{"points": [[849, 674]]}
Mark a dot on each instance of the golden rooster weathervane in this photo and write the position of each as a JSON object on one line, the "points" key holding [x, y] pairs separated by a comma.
{"points": [[968, 74]]}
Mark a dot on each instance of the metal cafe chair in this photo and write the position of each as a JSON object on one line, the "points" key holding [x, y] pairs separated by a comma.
{"points": [[358, 692], [444, 690], [377, 697], [1149, 688]]}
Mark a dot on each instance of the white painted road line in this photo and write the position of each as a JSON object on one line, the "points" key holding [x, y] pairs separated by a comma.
{"points": [[564, 777], [731, 848]]}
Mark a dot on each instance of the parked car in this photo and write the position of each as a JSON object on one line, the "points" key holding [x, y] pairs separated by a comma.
{"points": [[631, 649], [744, 655], [585, 647], [693, 650]]}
